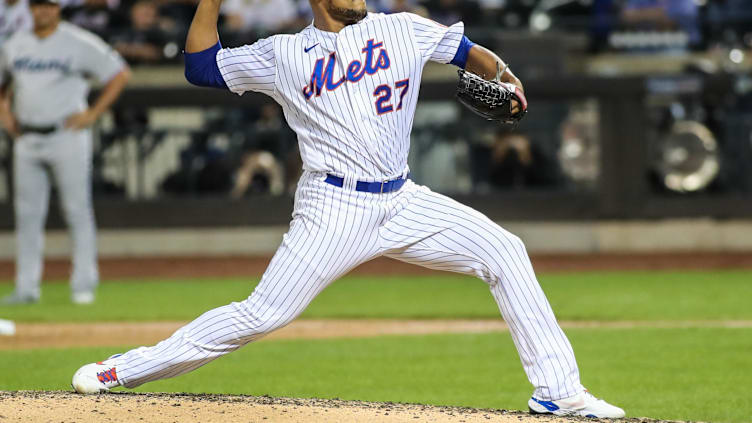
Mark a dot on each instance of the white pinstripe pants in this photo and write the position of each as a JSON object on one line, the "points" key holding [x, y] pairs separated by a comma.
{"points": [[336, 229]]}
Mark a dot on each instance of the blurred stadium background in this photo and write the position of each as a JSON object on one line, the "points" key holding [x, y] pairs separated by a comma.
{"points": [[636, 154], [639, 136]]}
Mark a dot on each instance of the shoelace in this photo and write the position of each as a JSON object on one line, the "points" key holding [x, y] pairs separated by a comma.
{"points": [[107, 376]]}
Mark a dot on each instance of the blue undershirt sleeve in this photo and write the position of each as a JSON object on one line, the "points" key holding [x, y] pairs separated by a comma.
{"points": [[201, 68], [460, 58]]}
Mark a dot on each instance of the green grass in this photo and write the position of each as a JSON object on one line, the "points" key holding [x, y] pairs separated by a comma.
{"points": [[688, 374], [694, 374], [587, 296]]}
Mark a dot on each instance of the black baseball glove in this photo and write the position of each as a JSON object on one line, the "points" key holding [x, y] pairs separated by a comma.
{"points": [[491, 100]]}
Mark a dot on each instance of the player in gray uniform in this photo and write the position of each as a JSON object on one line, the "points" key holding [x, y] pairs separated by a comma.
{"points": [[50, 119], [14, 16]]}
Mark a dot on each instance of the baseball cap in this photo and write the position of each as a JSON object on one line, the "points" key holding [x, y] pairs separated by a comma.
{"points": [[33, 2]]}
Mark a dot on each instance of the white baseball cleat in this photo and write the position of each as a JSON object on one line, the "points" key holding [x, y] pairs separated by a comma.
{"points": [[95, 378], [583, 404], [83, 298]]}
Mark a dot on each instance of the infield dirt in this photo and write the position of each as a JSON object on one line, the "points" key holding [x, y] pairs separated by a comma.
{"points": [[64, 407]]}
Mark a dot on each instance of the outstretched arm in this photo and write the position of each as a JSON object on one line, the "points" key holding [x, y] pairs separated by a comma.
{"points": [[203, 31], [482, 62], [486, 64]]}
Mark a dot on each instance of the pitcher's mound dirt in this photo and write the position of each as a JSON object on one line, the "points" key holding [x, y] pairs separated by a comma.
{"points": [[64, 407]]}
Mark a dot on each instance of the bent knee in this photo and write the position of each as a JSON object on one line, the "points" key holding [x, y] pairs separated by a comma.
{"points": [[264, 318], [509, 248], [515, 241], [273, 322]]}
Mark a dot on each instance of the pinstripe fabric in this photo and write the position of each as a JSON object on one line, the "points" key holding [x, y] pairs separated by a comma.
{"points": [[437, 232], [249, 68], [334, 230], [347, 126], [341, 130]]}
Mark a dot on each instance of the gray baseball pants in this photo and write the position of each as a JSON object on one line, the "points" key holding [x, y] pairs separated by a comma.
{"points": [[64, 157]]}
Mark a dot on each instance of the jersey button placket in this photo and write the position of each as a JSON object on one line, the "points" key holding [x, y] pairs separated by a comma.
{"points": [[342, 59]]}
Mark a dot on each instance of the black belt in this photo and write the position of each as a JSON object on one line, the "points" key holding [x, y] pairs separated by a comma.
{"points": [[32, 129], [375, 187]]}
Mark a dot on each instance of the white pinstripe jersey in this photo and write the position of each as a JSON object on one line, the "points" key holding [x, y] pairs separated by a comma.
{"points": [[349, 96]]}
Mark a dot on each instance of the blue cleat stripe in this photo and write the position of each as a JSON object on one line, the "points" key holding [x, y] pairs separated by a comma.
{"points": [[550, 406]]}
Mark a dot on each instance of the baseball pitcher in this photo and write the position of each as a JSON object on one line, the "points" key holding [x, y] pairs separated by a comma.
{"points": [[50, 119], [348, 85]]}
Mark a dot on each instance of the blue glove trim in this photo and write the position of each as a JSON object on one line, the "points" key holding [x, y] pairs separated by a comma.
{"points": [[201, 68], [460, 58]]}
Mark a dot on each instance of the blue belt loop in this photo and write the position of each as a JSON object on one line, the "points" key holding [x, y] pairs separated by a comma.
{"points": [[334, 180]]}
